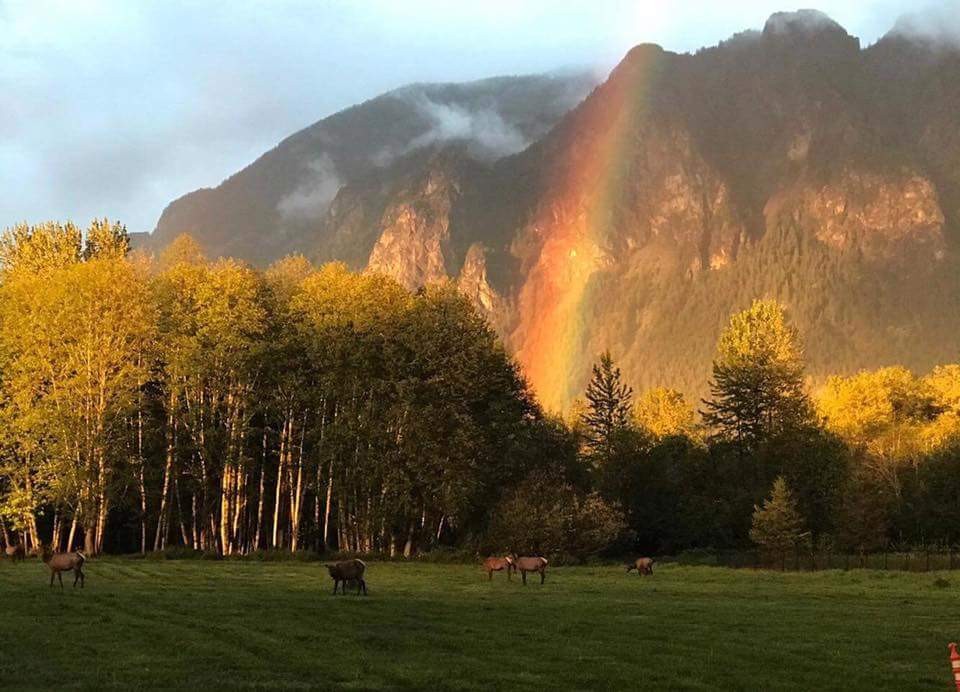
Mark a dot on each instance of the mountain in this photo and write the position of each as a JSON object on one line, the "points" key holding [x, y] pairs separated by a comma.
{"points": [[274, 205], [788, 163]]}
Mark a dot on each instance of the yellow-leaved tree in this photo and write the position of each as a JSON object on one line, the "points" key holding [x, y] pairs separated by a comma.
{"points": [[76, 328]]}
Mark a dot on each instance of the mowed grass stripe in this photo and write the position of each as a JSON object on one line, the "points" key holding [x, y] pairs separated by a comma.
{"points": [[276, 625]]}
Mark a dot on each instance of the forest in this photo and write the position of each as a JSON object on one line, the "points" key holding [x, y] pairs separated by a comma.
{"points": [[174, 403]]}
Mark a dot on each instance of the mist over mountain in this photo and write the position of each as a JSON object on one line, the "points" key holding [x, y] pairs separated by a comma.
{"points": [[276, 205], [790, 163]]}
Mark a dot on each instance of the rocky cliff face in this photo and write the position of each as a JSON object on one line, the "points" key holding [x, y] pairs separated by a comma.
{"points": [[474, 283], [885, 217], [786, 163]]}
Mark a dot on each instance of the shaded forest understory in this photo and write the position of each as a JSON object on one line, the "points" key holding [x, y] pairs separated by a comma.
{"points": [[147, 404]]}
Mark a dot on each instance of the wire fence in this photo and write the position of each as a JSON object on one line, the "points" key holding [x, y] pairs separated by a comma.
{"points": [[806, 560]]}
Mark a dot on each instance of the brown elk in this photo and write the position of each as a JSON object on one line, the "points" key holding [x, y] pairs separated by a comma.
{"points": [[643, 565], [64, 562], [498, 564], [531, 564], [15, 552], [348, 570]]}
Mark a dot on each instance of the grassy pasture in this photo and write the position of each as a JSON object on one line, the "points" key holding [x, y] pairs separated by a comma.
{"points": [[199, 624]]}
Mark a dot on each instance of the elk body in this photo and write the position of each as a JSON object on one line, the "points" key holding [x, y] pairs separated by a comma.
{"points": [[15, 552], [348, 570], [64, 562], [498, 564], [531, 564], [643, 565]]}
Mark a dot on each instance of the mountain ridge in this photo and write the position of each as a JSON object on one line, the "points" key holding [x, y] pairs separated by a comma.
{"points": [[788, 163]]}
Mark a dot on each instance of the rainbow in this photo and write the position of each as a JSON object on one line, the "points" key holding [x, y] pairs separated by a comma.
{"points": [[565, 245]]}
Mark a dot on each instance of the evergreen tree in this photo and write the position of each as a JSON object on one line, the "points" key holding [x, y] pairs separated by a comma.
{"points": [[757, 387], [778, 524], [608, 407]]}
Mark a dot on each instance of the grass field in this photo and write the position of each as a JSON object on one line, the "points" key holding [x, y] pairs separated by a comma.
{"points": [[143, 623]]}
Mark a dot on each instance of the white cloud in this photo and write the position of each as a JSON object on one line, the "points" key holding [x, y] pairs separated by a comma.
{"points": [[484, 128], [312, 198]]}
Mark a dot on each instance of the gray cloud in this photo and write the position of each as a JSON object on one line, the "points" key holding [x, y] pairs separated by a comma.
{"points": [[807, 19], [939, 25], [115, 108]]}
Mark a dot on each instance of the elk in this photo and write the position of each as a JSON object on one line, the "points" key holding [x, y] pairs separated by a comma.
{"points": [[643, 565], [64, 562], [348, 570], [531, 564], [15, 552], [498, 564]]}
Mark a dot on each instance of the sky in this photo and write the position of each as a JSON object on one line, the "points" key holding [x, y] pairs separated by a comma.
{"points": [[117, 107]]}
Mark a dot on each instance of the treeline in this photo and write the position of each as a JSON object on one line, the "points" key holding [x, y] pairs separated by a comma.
{"points": [[205, 404], [869, 461], [153, 403]]}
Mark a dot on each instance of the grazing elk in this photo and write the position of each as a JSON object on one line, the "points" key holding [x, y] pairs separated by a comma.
{"points": [[15, 552], [643, 565], [531, 564], [498, 564], [348, 570], [64, 562]]}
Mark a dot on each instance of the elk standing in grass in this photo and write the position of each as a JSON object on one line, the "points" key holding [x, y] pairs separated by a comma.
{"points": [[348, 570], [531, 564], [15, 552], [64, 562], [643, 565], [498, 564]]}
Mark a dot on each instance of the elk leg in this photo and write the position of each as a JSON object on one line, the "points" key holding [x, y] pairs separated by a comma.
{"points": [[489, 575], [335, 583], [543, 576], [52, 575], [523, 573], [60, 578]]}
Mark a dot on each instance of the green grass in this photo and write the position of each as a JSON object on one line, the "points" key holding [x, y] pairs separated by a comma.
{"points": [[202, 624]]}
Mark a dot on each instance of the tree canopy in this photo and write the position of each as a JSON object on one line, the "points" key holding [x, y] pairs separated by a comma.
{"points": [[181, 402]]}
